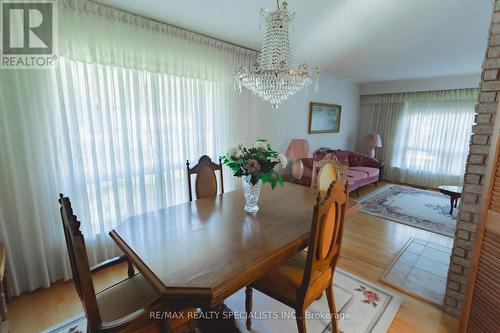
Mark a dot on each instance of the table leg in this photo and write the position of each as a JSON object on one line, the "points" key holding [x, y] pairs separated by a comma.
{"points": [[451, 205], [218, 320]]}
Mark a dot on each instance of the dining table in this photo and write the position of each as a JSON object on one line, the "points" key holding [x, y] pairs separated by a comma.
{"points": [[199, 253]]}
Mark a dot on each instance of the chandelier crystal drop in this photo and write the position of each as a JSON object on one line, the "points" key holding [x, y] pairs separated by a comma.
{"points": [[274, 77]]}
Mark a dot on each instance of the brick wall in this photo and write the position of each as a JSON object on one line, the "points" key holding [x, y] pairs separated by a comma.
{"points": [[475, 173]]}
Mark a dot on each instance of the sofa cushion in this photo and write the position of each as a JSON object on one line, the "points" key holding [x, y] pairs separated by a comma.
{"points": [[358, 160], [356, 175], [342, 155], [368, 170]]}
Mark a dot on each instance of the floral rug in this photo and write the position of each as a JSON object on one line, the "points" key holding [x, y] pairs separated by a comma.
{"points": [[418, 208], [361, 306]]}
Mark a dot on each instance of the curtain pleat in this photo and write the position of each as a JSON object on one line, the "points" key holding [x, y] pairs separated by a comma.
{"points": [[384, 120]]}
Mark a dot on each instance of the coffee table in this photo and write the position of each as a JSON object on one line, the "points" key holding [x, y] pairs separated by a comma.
{"points": [[454, 192]]}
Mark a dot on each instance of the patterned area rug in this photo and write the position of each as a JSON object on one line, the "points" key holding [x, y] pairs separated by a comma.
{"points": [[362, 307], [418, 208]]}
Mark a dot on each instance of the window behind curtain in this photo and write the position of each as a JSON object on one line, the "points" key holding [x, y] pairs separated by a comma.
{"points": [[432, 142], [130, 133]]}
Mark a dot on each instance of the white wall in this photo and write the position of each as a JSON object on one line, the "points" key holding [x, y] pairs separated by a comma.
{"points": [[290, 120], [430, 84]]}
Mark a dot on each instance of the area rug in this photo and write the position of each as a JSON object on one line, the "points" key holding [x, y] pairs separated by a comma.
{"points": [[361, 306], [418, 208], [421, 268]]}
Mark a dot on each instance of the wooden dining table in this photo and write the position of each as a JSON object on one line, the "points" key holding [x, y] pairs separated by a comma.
{"points": [[199, 253]]}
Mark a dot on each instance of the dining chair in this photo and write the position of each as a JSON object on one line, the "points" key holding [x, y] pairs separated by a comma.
{"points": [[124, 306], [206, 180], [303, 278], [326, 171]]}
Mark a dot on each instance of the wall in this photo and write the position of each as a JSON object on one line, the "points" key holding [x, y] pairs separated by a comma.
{"points": [[290, 120], [430, 84], [477, 171]]}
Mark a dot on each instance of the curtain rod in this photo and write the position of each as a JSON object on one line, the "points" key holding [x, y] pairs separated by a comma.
{"points": [[419, 91], [174, 26]]}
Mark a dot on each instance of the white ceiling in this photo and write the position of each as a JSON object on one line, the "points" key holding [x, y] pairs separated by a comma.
{"points": [[362, 40]]}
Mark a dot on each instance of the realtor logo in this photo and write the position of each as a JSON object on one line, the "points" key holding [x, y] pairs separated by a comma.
{"points": [[28, 33]]}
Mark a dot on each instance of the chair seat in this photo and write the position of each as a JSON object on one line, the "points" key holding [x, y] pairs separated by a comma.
{"points": [[125, 298], [286, 279]]}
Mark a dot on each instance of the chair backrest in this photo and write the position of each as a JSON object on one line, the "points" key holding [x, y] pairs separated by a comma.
{"points": [[206, 181], [326, 171], [79, 262], [326, 235]]}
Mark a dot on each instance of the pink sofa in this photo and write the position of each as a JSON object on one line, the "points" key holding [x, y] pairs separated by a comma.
{"points": [[363, 170]]}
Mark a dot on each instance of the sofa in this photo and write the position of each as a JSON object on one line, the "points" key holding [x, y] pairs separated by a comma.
{"points": [[363, 170]]}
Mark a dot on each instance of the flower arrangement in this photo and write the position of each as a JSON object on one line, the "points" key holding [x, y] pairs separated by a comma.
{"points": [[258, 162]]}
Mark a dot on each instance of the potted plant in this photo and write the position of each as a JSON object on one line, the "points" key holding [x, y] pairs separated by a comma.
{"points": [[255, 165]]}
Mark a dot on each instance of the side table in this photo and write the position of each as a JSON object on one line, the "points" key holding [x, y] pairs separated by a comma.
{"points": [[381, 170], [454, 192]]}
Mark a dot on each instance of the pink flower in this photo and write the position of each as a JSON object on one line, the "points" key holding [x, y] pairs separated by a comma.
{"points": [[371, 296]]}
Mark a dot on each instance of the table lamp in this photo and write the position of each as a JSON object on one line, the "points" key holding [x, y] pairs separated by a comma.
{"points": [[373, 141], [298, 148]]}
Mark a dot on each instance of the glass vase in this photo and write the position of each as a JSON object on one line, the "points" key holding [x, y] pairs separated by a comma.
{"points": [[252, 193]]}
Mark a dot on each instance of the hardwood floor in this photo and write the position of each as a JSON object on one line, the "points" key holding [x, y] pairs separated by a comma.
{"points": [[369, 246]]}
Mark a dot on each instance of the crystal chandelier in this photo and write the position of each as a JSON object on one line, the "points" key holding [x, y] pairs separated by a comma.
{"points": [[274, 77]]}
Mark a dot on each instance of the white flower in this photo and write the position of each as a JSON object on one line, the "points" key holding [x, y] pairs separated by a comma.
{"points": [[261, 145], [282, 160], [233, 153]]}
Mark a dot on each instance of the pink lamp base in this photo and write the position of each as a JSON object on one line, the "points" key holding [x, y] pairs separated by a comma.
{"points": [[371, 152], [297, 169]]}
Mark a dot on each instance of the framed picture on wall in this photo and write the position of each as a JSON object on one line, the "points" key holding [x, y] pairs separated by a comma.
{"points": [[324, 118]]}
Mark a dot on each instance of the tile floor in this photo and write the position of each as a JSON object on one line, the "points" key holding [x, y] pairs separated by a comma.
{"points": [[422, 268]]}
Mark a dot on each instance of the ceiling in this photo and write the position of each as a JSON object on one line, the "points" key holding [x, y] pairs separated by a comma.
{"points": [[361, 40]]}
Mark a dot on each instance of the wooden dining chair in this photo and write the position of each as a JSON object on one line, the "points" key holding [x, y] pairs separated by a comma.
{"points": [[206, 180], [302, 279], [326, 171], [124, 306]]}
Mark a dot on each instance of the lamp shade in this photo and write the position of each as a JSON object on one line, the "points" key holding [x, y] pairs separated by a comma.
{"points": [[298, 148], [373, 141]]}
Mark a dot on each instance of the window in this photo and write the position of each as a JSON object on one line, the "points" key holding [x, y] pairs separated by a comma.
{"points": [[432, 141], [130, 134]]}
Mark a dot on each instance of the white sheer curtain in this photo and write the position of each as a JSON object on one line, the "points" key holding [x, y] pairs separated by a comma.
{"points": [[111, 126], [432, 142], [425, 135]]}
